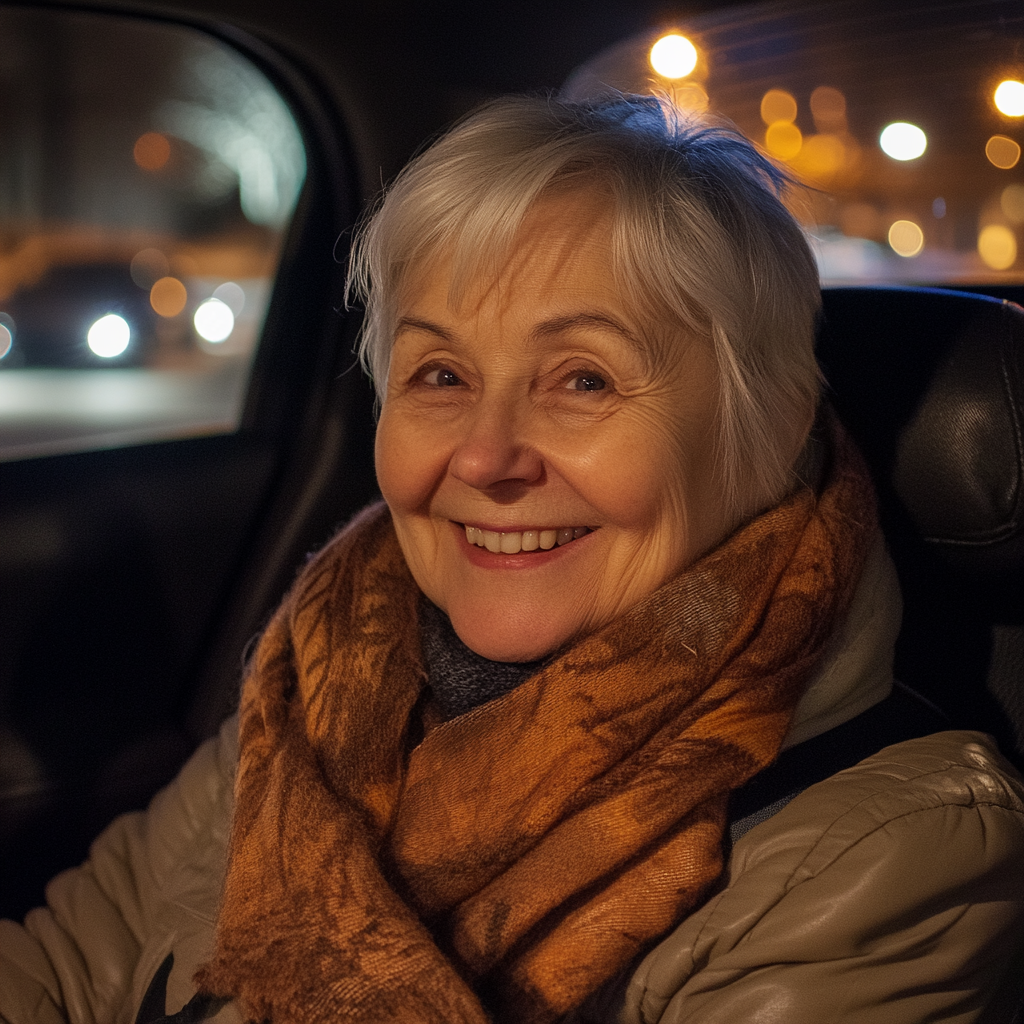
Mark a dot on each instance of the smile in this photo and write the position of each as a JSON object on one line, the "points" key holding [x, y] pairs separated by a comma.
{"points": [[525, 540]]}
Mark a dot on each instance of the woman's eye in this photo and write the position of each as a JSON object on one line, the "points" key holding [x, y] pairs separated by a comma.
{"points": [[442, 378], [587, 382]]}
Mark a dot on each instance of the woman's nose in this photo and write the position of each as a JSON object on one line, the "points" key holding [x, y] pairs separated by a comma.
{"points": [[495, 451]]}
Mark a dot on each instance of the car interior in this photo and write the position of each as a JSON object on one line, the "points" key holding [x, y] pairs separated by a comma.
{"points": [[167, 464]]}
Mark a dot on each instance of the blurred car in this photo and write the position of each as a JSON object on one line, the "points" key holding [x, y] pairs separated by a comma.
{"points": [[134, 572], [59, 320]]}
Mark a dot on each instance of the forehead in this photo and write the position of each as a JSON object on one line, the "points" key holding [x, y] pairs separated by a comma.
{"points": [[561, 254]]}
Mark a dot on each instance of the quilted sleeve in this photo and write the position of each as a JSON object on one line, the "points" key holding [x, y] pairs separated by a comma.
{"points": [[77, 959], [889, 894]]}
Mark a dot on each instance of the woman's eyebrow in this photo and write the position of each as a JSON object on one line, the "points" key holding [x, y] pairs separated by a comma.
{"points": [[553, 326], [558, 324], [415, 323]]}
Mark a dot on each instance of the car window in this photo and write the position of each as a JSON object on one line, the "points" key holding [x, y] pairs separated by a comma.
{"points": [[906, 125], [148, 173]]}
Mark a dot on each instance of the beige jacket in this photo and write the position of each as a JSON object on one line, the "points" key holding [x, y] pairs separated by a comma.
{"points": [[892, 892]]}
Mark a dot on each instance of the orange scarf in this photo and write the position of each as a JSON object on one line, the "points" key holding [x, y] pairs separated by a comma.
{"points": [[520, 855]]}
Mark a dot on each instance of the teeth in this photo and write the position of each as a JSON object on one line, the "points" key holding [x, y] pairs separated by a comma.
{"points": [[528, 540]]}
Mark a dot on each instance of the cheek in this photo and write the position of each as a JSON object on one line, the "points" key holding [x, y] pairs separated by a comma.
{"points": [[404, 470], [640, 476], [661, 481], [696, 490]]}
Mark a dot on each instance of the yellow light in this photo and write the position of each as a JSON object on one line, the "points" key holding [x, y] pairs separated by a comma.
{"points": [[1002, 152], [822, 155], [1012, 203], [906, 238], [690, 96], [783, 140], [168, 296], [903, 141], [1009, 98], [151, 151], [828, 108], [673, 56], [777, 105], [997, 246]]}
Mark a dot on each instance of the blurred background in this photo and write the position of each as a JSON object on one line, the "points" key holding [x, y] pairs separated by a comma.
{"points": [[147, 176], [902, 126]]}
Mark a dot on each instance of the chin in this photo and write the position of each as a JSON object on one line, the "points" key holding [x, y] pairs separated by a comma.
{"points": [[513, 645]]}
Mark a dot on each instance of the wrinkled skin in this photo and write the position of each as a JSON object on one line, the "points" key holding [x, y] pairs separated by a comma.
{"points": [[545, 401]]}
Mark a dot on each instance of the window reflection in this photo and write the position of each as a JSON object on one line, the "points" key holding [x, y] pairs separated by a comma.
{"points": [[147, 176]]}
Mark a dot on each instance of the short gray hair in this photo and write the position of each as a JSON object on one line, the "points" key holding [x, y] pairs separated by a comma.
{"points": [[700, 235]]}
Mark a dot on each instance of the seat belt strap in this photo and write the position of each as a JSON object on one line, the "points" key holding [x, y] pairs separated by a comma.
{"points": [[903, 715]]}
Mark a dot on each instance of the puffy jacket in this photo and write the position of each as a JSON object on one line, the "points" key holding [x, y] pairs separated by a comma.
{"points": [[891, 892]]}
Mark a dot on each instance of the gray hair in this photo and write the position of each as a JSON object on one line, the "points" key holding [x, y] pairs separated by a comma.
{"points": [[700, 235]]}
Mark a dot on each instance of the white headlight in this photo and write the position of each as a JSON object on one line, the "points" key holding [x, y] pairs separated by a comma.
{"points": [[214, 320], [109, 336]]}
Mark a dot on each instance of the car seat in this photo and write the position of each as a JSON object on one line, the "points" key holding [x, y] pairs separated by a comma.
{"points": [[931, 385]]}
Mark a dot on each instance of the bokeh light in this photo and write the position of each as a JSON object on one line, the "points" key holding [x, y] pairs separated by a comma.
{"points": [[906, 238], [232, 295], [148, 266], [903, 141], [938, 207], [6, 340], [778, 105], [822, 155], [1009, 98], [214, 320], [690, 97], [997, 246], [109, 336], [828, 108], [783, 140], [1002, 152], [1012, 203], [152, 151], [168, 296], [673, 56]]}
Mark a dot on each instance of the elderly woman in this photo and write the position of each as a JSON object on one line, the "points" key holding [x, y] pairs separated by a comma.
{"points": [[486, 748]]}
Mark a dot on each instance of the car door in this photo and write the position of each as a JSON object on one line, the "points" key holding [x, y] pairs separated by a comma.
{"points": [[154, 500]]}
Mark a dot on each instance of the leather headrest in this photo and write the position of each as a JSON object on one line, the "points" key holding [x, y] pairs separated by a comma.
{"points": [[931, 384]]}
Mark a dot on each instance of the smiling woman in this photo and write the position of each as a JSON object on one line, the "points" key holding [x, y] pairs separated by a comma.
{"points": [[586, 379], [490, 746], [536, 408]]}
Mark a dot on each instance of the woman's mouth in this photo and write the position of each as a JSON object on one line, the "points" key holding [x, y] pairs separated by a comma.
{"points": [[524, 540]]}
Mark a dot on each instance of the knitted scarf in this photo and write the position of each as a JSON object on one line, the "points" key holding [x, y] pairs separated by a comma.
{"points": [[385, 865]]}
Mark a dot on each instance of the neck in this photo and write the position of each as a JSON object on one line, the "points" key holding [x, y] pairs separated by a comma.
{"points": [[460, 678]]}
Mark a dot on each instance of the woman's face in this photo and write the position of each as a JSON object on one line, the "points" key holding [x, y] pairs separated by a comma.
{"points": [[547, 420]]}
